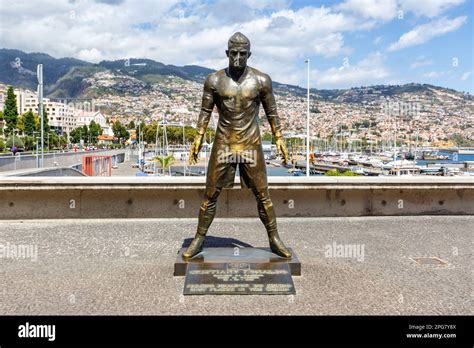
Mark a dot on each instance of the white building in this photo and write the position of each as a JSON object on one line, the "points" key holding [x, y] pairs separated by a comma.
{"points": [[61, 117], [3, 96], [86, 117]]}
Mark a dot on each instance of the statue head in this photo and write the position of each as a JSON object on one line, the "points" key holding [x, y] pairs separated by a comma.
{"points": [[238, 50]]}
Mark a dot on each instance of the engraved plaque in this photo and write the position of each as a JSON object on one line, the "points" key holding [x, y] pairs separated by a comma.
{"points": [[238, 278]]}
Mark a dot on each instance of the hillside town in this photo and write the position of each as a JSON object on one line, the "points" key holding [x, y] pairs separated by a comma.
{"points": [[360, 116]]}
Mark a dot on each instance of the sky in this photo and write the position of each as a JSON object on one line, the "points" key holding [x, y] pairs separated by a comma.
{"points": [[349, 43]]}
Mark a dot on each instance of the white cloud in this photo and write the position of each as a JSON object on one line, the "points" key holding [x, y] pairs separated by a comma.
{"points": [[384, 10], [433, 74], [196, 32], [176, 32], [466, 75], [93, 55], [377, 40], [266, 4], [420, 61], [367, 71], [431, 8], [425, 32]]}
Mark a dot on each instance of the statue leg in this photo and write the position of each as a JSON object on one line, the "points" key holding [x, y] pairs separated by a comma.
{"points": [[268, 218], [206, 215]]}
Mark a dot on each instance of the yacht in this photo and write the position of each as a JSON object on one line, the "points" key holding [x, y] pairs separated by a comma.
{"points": [[401, 168]]}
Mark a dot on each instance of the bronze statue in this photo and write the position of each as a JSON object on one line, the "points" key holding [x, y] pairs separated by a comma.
{"points": [[237, 93]]}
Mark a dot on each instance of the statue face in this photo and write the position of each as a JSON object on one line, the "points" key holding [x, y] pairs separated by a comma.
{"points": [[238, 56]]}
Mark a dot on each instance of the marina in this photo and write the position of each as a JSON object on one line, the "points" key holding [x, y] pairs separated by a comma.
{"points": [[425, 161]]}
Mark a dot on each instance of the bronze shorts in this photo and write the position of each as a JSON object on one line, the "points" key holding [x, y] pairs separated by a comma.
{"points": [[223, 165]]}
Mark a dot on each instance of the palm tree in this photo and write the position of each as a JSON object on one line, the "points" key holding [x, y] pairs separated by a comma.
{"points": [[165, 162]]}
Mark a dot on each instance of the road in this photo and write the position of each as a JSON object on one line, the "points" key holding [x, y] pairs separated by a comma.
{"points": [[52, 159], [125, 266]]}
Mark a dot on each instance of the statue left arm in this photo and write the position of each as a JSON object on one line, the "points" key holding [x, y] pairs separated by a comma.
{"points": [[269, 106]]}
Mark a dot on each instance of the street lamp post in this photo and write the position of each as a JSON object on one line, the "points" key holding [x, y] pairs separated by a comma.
{"points": [[307, 127], [13, 145], [39, 73], [184, 148], [139, 149], [36, 141]]}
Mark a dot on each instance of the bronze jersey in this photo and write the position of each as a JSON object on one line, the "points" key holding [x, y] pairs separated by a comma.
{"points": [[238, 105]]}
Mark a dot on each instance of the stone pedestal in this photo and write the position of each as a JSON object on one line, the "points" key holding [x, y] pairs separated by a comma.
{"points": [[237, 271]]}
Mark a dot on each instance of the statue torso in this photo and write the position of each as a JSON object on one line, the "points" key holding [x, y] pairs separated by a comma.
{"points": [[238, 104]]}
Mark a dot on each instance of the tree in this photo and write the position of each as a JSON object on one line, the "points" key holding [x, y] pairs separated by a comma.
{"points": [[1, 123], [165, 162], [63, 140], [18, 142], [28, 120], [461, 141], [190, 133], [37, 122], [210, 135], [46, 127], [84, 133], [267, 136], [29, 142], [94, 131], [175, 134], [131, 125], [149, 133], [124, 133], [2, 145], [116, 128], [119, 130], [75, 135], [10, 112], [20, 124], [53, 139]]}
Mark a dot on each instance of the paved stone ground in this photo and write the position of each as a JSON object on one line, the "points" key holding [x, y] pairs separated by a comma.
{"points": [[125, 266]]}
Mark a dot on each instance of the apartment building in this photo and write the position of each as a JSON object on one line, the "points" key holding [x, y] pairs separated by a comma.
{"points": [[61, 117]]}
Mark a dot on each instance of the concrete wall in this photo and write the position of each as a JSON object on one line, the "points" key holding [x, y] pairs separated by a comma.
{"points": [[172, 197]]}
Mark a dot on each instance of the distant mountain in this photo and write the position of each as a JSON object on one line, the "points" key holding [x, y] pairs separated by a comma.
{"points": [[147, 69], [70, 77], [65, 77], [18, 68]]}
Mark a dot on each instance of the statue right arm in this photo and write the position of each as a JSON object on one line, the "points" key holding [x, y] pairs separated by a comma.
{"points": [[207, 106]]}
